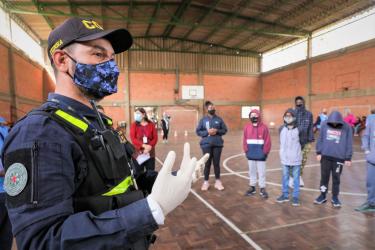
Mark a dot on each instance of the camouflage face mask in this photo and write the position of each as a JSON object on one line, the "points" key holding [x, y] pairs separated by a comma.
{"points": [[99, 79]]}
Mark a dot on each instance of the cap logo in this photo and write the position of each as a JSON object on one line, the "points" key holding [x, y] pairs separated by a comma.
{"points": [[91, 25], [55, 46]]}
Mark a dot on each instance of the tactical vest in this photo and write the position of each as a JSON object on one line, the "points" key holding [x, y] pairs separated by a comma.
{"points": [[105, 183]]}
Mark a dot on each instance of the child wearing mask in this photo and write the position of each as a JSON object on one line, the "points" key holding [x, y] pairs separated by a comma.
{"points": [[334, 150], [290, 156], [256, 145]]}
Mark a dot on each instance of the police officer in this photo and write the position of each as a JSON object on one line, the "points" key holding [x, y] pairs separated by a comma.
{"points": [[67, 178]]}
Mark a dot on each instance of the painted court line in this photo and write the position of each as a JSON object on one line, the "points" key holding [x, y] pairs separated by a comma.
{"points": [[223, 218], [227, 221], [292, 224], [279, 185]]}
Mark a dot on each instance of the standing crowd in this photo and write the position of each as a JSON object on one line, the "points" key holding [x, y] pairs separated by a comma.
{"points": [[334, 150]]}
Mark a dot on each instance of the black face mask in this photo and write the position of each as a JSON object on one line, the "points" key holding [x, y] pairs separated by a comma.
{"points": [[335, 125], [299, 105], [212, 111], [254, 119]]}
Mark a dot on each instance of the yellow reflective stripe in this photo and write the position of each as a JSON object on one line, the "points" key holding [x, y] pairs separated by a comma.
{"points": [[120, 188], [71, 119], [109, 122]]}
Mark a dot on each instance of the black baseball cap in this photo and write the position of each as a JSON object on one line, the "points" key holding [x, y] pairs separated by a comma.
{"points": [[77, 29]]}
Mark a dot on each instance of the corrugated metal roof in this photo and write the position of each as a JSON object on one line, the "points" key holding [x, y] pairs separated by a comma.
{"points": [[231, 25]]}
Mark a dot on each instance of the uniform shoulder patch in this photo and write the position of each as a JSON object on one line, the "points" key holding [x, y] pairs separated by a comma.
{"points": [[15, 179]]}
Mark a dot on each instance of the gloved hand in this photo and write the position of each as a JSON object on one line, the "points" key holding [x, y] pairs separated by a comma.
{"points": [[198, 171], [169, 191]]}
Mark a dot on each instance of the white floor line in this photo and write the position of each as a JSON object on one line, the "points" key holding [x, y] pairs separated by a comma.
{"points": [[293, 224], [279, 185], [227, 221], [222, 217]]}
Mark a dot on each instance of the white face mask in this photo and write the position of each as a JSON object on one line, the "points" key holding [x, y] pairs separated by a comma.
{"points": [[289, 120], [137, 117]]}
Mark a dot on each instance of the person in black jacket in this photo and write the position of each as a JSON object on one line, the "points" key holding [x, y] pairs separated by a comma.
{"points": [[211, 128]]}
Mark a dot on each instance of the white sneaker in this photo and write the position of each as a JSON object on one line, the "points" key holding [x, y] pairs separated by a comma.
{"points": [[205, 186], [291, 183], [301, 183], [218, 185]]}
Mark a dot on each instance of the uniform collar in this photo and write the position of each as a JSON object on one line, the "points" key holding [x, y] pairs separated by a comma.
{"points": [[76, 105]]}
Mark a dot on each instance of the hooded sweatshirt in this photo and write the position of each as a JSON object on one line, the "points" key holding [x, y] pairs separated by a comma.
{"points": [[290, 146], [256, 139], [335, 143], [368, 139], [305, 124]]}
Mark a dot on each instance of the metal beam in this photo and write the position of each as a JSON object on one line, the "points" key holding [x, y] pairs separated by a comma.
{"points": [[130, 9], [205, 15], [215, 46], [304, 6], [154, 14], [222, 24], [139, 21], [72, 7], [46, 18], [148, 3], [266, 11], [177, 16]]}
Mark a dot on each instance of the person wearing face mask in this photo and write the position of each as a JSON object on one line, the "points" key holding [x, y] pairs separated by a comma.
{"points": [[144, 137], [211, 128], [290, 156], [256, 145], [304, 120], [334, 149], [68, 179], [321, 118]]}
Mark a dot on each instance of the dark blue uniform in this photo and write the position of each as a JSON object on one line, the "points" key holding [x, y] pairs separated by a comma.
{"points": [[42, 215]]}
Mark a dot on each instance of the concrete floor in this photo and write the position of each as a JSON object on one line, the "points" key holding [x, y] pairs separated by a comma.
{"points": [[229, 220]]}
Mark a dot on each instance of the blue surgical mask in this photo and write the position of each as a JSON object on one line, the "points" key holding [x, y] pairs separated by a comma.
{"points": [[99, 79], [137, 117]]}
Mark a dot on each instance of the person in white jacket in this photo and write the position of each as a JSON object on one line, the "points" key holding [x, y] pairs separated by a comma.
{"points": [[291, 157]]}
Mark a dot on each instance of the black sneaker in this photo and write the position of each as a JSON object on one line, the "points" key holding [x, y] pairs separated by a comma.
{"points": [[263, 193], [295, 202], [252, 190], [336, 202], [282, 199], [321, 199]]}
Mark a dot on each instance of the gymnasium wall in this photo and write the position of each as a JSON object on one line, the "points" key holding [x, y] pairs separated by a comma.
{"points": [[342, 79], [24, 84]]}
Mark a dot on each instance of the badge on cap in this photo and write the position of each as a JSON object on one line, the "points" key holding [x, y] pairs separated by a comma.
{"points": [[15, 179]]}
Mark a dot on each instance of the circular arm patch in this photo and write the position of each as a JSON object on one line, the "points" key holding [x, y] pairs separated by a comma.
{"points": [[15, 179]]}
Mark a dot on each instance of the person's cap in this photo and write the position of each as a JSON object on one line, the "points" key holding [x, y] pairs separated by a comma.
{"points": [[77, 29]]}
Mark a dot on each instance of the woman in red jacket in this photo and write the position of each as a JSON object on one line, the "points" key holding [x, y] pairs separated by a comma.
{"points": [[144, 137]]}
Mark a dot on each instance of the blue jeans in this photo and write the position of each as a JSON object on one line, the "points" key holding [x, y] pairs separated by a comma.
{"points": [[370, 184], [296, 171]]}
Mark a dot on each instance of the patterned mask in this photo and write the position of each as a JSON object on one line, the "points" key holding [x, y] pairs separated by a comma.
{"points": [[99, 79]]}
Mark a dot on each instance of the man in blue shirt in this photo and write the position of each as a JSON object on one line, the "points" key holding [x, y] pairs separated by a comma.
{"points": [[61, 195]]}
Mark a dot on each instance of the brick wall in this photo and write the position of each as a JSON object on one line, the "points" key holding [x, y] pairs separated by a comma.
{"points": [[30, 81], [339, 80]]}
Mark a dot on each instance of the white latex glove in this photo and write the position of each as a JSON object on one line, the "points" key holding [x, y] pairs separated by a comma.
{"points": [[169, 191], [198, 171]]}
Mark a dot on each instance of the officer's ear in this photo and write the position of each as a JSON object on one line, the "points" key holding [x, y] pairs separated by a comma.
{"points": [[60, 61]]}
